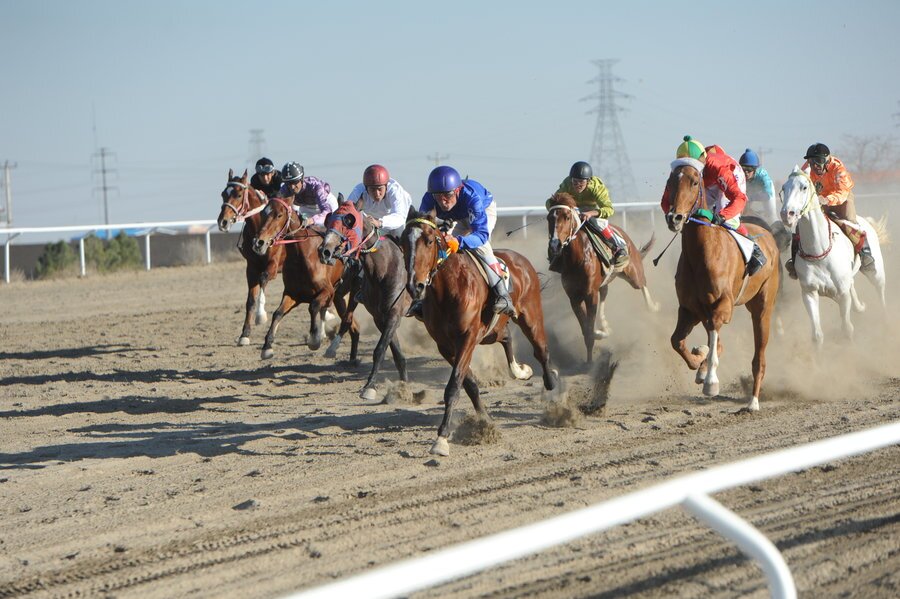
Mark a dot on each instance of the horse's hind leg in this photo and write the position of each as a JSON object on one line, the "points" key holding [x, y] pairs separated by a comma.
{"points": [[761, 310], [856, 303], [532, 326], [253, 292], [587, 326], [287, 304], [811, 303], [845, 302], [711, 382], [388, 332], [603, 332], [521, 372]]}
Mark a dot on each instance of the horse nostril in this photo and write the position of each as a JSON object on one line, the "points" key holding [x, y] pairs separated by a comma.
{"points": [[420, 286]]}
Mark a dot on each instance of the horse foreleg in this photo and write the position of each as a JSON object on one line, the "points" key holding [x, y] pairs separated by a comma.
{"points": [[587, 326], [811, 303], [857, 304], [761, 315], [521, 372], [845, 302], [683, 327], [287, 304], [252, 292], [388, 332], [346, 316], [264, 279], [458, 374], [316, 324]]}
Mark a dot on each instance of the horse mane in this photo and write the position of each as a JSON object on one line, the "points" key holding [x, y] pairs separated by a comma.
{"points": [[561, 198]]}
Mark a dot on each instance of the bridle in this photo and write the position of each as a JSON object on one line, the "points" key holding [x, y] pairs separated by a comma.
{"points": [[807, 207], [285, 234], [576, 215], [359, 248], [244, 212], [698, 201], [440, 256]]}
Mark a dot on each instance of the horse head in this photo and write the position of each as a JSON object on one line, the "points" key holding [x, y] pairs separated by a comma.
{"points": [[686, 192], [343, 230], [798, 196], [422, 244], [563, 222], [235, 200], [279, 221]]}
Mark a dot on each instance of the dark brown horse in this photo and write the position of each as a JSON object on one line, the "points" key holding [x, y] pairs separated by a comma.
{"points": [[584, 275], [384, 292], [458, 316], [243, 203], [306, 279], [710, 281]]}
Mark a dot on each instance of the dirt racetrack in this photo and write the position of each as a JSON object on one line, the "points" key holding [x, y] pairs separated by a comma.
{"points": [[144, 454]]}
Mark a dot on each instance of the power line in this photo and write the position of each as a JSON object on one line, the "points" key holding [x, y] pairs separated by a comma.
{"points": [[608, 152], [437, 158], [6, 215], [103, 153], [257, 145]]}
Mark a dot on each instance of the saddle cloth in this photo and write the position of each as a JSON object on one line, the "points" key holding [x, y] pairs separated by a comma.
{"points": [[482, 270]]}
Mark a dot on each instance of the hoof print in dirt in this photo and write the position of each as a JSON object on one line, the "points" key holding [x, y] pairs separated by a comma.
{"points": [[433, 463], [250, 504]]}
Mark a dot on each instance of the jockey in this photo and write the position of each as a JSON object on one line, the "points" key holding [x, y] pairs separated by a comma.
{"points": [[834, 187], [382, 199], [473, 208], [267, 178], [760, 189], [725, 188], [592, 199], [308, 194]]}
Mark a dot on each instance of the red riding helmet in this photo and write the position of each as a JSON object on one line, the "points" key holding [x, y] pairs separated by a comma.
{"points": [[375, 175]]}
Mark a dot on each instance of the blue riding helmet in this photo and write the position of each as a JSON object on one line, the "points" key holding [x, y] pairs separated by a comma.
{"points": [[443, 179], [749, 158]]}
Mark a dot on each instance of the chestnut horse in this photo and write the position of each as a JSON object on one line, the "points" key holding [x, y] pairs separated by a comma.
{"points": [[584, 276], [243, 203], [306, 279], [458, 315], [710, 281], [384, 294]]}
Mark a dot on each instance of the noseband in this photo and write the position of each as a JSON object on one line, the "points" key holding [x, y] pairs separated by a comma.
{"points": [[576, 215], [442, 253]]}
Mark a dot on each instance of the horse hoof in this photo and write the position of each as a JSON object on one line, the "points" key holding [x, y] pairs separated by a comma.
{"points": [[701, 350], [262, 318], [701, 376], [330, 353], [440, 447], [267, 354], [243, 341], [753, 406], [369, 394], [314, 345], [521, 372], [711, 390], [598, 334]]}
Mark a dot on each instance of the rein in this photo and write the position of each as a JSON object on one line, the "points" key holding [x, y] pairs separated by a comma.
{"points": [[577, 216], [284, 236], [442, 254]]}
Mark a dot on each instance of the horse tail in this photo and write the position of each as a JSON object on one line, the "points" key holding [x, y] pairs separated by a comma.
{"points": [[881, 230], [648, 245]]}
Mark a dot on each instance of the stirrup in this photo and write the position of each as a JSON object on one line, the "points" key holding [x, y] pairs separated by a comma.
{"points": [[503, 305], [620, 258], [866, 259]]}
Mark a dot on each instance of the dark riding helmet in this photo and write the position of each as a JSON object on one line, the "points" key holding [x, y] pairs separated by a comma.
{"points": [[291, 172], [265, 166], [818, 152], [375, 175], [443, 179], [581, 170], [749, 158]]}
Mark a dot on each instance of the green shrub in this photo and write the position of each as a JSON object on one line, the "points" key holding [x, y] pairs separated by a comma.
{"points": [[57, 258], [122, 252]]}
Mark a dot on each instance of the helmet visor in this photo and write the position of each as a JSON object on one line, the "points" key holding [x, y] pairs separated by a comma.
{"points": [[265, 169]]}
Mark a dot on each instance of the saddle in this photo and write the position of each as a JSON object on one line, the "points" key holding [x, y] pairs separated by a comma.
{"points": [[854, 232], [603, 251], [481, 267]]}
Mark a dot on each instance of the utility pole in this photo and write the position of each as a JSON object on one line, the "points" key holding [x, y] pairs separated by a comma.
{"points": [[6, 217], [257, 145], [609, 156], [437, 157], [104, 188]]}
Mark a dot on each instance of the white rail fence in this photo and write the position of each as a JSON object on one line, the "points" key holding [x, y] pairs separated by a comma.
{"points": [[690, 491], [145, 230]]}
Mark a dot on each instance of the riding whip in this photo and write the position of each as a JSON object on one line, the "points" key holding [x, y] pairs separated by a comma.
{"points": [[508, 233], [656, 260]]}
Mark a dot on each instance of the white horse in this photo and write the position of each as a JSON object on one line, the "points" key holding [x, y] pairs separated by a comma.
{"points": [[826, 262]]}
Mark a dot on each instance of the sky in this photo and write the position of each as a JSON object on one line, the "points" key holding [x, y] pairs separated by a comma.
{"points": [[171, 92]]}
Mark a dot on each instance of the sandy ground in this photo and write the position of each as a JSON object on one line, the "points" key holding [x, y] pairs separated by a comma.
{"points": [[144, 454]]}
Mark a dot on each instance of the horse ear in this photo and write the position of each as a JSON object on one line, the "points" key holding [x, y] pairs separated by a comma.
{"points": [[230, 174], [411, 214], [340, 198], [244, 176], [433, 213]]}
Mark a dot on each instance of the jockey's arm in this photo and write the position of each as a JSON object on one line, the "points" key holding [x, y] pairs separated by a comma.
{"points": [[843, 184], [737, 198], [400, 202]]}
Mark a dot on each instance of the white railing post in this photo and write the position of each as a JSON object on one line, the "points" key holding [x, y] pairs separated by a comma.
{"points": [[749, 539], [524, 228], [81, 257], [147, 250], [6, 259], [208, 248]]}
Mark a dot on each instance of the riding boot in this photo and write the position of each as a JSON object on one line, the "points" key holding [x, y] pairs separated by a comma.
{"points": [[867, 261], [503, 304], [618, 247], [789, 265], [360, 295], [757, 260]]}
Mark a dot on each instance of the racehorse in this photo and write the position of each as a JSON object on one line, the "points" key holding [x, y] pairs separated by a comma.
{"points": [[306, 279], [826, 263], [458, 316], [243, 203], [584, 276], [710, 281], [384, 294]]}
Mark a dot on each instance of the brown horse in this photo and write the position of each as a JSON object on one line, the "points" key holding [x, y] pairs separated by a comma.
{"points": [[710, 281], [584, 275], [458, 316], [306, 279], [243, 203], [384, 293]]}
